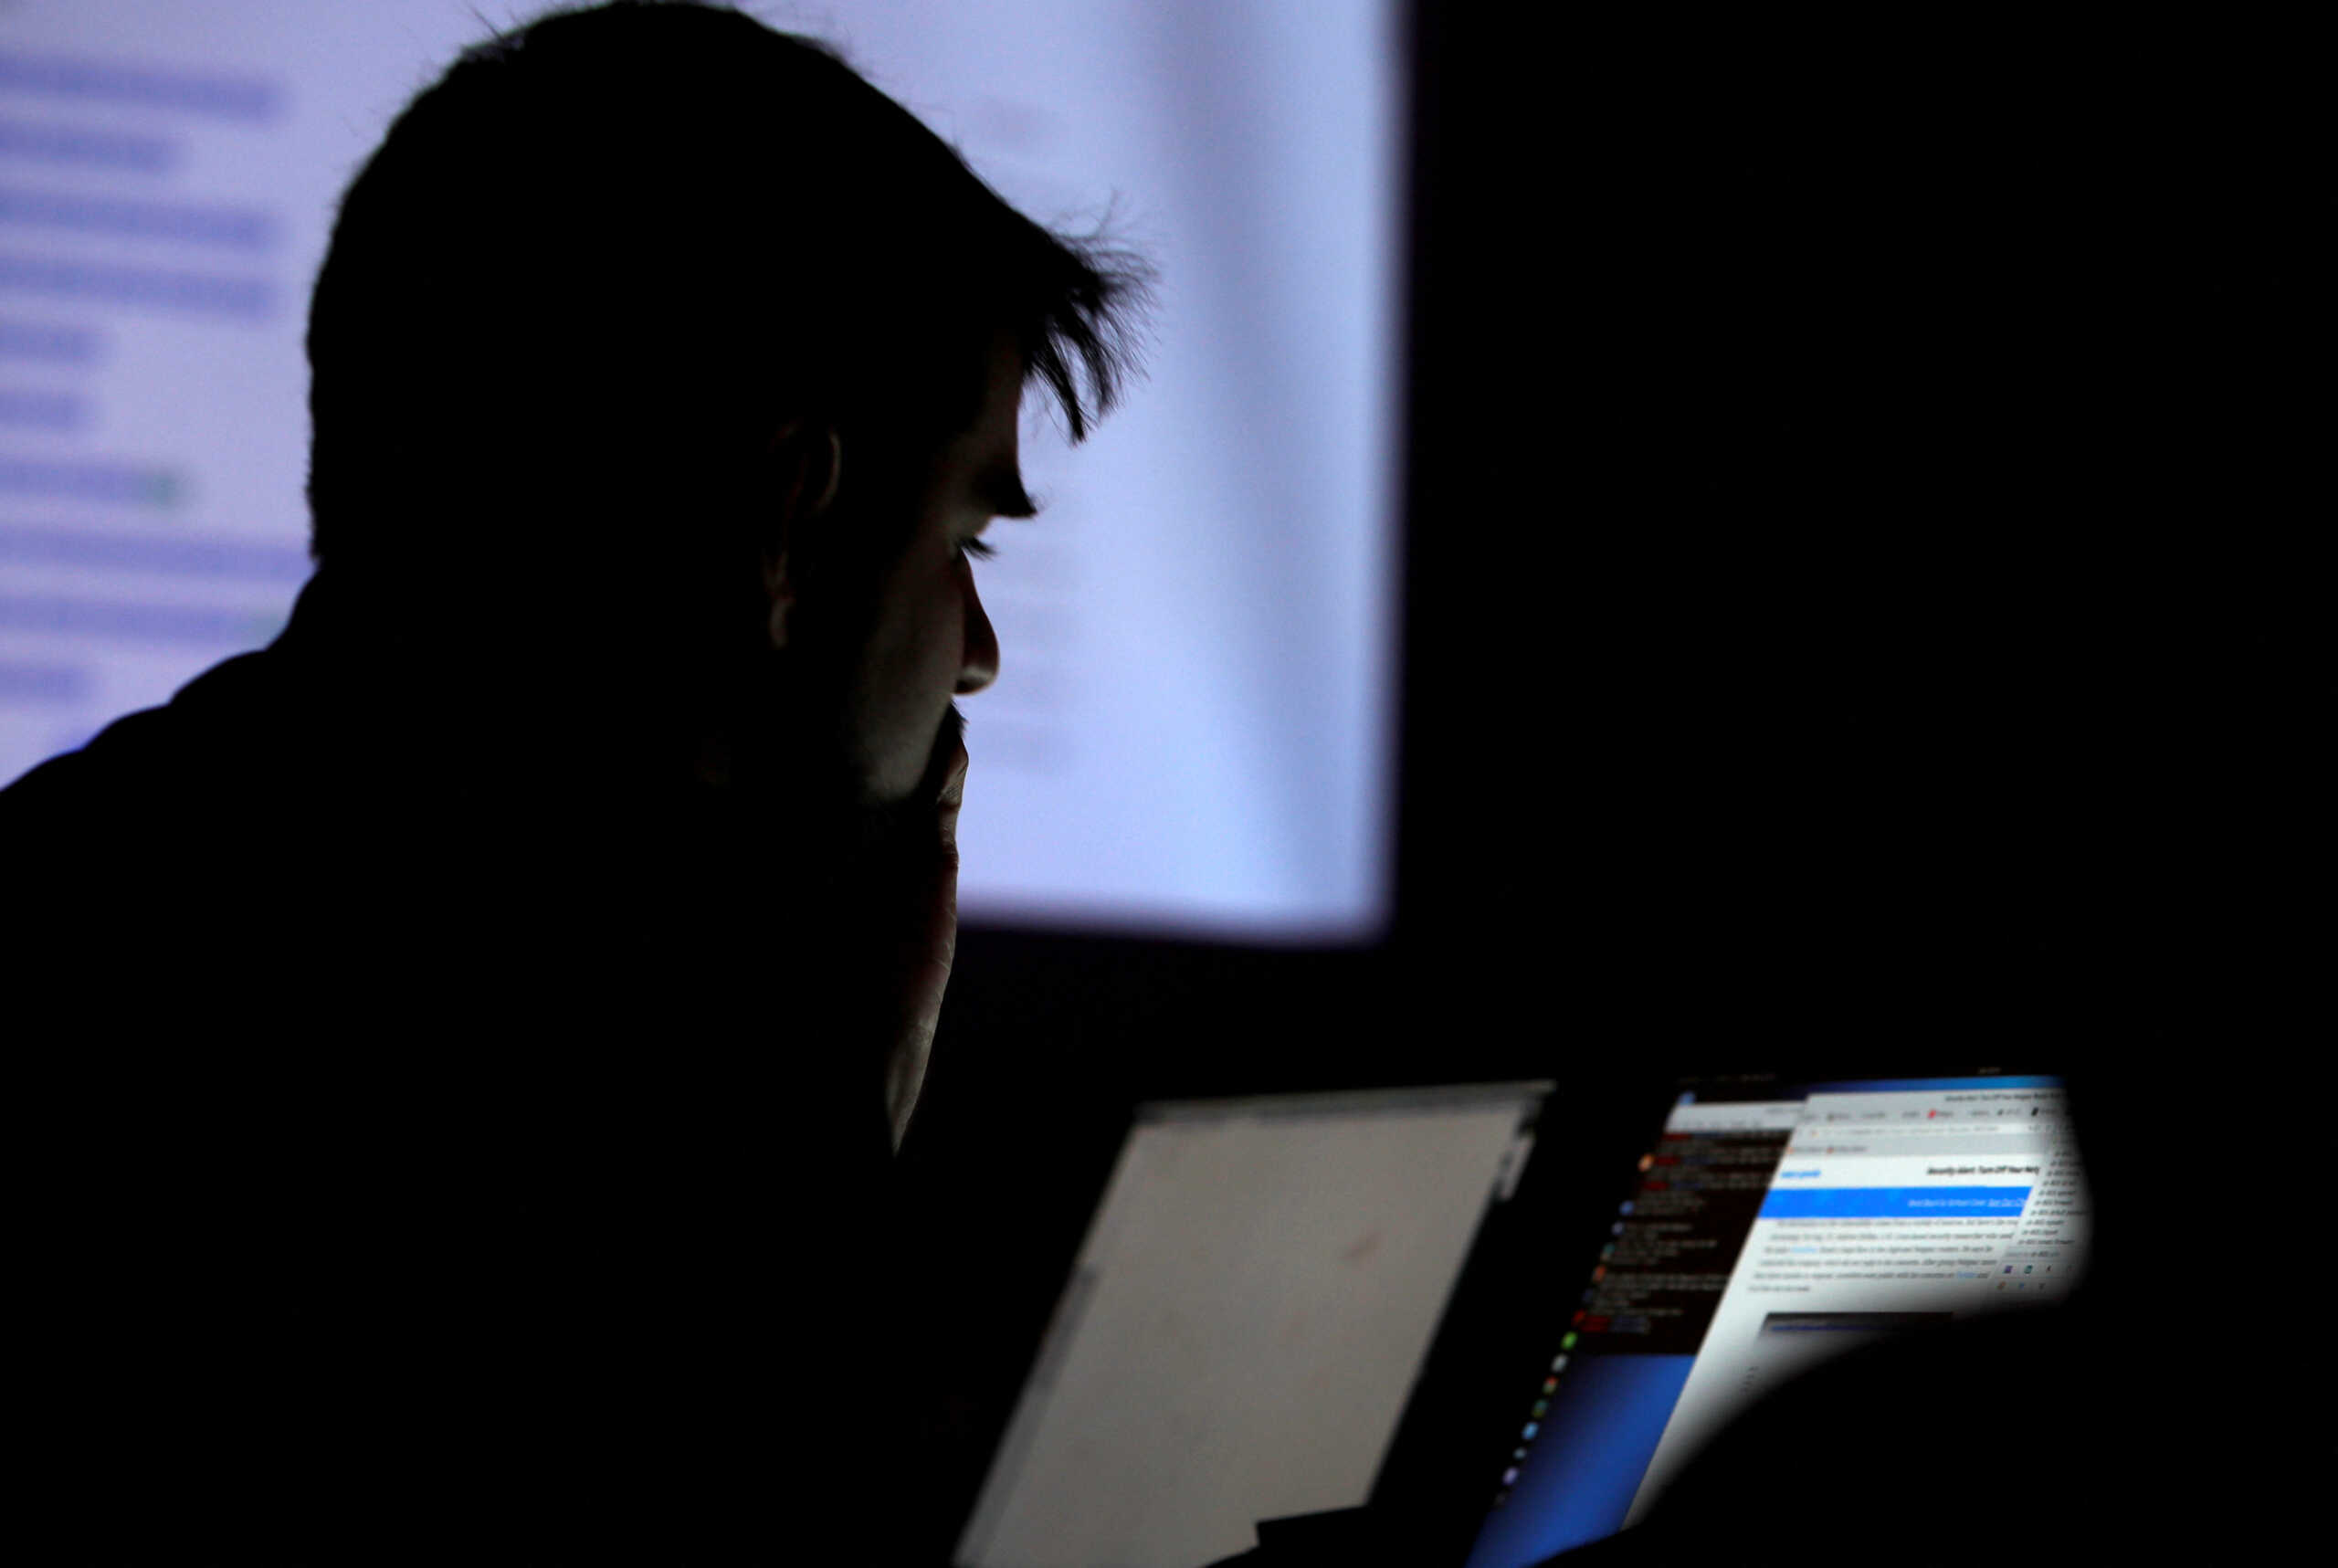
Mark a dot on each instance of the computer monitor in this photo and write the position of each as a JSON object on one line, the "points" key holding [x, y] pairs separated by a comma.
{"points": [[1765, 1227]]}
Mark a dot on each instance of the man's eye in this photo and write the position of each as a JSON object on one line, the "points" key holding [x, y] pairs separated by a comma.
{"points": [[977, 548]]}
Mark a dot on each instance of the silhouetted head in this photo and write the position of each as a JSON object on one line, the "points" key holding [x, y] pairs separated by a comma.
{"points": [[661, 369]]}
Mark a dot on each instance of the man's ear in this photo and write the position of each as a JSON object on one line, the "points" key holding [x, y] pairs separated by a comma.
{"points": [[812, 461]]}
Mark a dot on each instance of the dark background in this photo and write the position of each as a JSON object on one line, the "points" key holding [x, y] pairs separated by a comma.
{"points": [[1860, 590]]}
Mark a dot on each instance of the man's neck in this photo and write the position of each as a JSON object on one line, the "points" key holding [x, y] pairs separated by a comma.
{"points": [[504, 709]]}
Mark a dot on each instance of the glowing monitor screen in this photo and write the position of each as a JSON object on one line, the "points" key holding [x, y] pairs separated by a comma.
{"points": [[1192, 729], [1764, 1237]]}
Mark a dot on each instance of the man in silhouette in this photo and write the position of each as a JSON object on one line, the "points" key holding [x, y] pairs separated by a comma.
{"points": [[482, 1021]]}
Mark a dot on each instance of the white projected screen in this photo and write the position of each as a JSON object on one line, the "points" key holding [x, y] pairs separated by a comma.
{"points": [[1192, 729]]}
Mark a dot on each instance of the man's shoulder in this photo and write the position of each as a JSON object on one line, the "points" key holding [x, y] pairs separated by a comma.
{"points": [[146, 750], [156, 843]]}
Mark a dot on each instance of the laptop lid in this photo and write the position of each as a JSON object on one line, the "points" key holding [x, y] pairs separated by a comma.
{"points": [[1245, 1320]]}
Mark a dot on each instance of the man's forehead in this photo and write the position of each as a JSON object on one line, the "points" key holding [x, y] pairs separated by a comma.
{"points": [[998, 477]]}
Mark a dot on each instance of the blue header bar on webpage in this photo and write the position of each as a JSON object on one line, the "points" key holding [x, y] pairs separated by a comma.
{"points": [[1893, 1203]]}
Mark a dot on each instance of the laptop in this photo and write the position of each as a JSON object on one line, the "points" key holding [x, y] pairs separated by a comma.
{"points": [[1756, 1225], [1300, 1305], [1260, 1283]]}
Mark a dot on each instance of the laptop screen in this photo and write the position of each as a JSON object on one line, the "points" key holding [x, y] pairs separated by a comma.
{"points": [[1763, 1236], [1245, 1321]]}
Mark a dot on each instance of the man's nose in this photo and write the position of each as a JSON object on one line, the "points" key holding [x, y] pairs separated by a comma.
{"points": [[980, 665]]}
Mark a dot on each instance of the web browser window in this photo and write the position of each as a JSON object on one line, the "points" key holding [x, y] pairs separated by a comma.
{"points": [[1763, 1237]]}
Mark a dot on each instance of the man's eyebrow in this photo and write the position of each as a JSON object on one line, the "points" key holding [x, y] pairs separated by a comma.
{"points": [[1000, 489]]}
